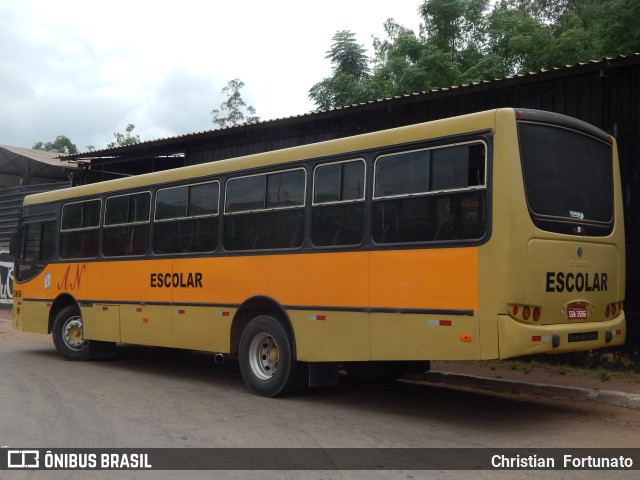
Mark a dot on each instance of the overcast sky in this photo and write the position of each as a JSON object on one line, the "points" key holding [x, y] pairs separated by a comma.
{"points": [[86, 69]]}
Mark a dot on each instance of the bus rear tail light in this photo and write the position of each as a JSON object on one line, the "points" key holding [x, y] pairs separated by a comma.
{"points": [[525, 312], [613, 309]]}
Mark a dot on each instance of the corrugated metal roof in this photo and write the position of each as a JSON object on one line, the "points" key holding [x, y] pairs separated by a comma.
{"points": [[28, 166], [542, 74], [51, 158]]}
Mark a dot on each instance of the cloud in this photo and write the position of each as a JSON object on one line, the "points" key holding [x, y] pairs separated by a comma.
{"points": [[87, 70]]}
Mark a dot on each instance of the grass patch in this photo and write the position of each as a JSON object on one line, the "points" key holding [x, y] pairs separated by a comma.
{"points": [[603, 373]]}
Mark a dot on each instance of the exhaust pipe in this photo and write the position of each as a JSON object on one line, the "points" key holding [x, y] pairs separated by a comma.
{"points": [[219, 359]]}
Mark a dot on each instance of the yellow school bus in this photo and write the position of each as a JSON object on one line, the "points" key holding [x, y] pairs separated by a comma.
{"points": [[491, 235]]}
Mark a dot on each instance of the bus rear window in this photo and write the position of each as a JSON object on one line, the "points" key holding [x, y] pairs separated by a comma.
{"points": [[568, 178]]}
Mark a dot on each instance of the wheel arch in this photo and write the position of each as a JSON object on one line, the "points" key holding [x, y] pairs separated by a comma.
{"points": [[63, 300], [253, 307]]}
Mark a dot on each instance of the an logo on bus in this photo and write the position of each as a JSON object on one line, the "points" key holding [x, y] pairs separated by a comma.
{"points": [[72, 281], [576, 214]]}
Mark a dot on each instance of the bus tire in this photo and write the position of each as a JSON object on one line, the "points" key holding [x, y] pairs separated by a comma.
{"points": [[266, 359], [68, 336]]}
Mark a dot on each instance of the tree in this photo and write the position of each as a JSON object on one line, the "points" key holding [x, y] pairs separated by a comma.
{"points": [[616, 31], [462, 41], [61, 144], [517, 41], [350, 81], [453, 26], [124, 139], [399, 61], [234, 110]]}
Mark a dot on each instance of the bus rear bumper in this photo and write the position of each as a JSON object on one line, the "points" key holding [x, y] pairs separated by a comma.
{"points": [[517, 339]]}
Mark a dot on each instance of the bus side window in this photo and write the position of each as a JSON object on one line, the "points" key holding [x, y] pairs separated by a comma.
{"points": [[265, 211], [186, 219], [429, 195], [79, 232], [126, 225], [338, 204]]}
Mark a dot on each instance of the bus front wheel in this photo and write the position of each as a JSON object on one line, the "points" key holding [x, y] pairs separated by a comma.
{"points": [[68, 335], [266, 359]]}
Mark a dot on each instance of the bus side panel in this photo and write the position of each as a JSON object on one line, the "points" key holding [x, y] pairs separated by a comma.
{"points": [[424, 337], [329, 279], [432, 279], [202, 328], [132, 285], [101, 322], [439, 278], [325, 336], [146, 325], [220, 285], [299, 283], [135, 281], [31, 316], [337, 279]]}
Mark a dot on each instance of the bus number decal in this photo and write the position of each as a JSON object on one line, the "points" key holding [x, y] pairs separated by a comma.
{"points": [[176, 280]]}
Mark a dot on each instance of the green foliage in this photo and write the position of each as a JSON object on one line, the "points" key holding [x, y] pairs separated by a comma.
{"points": [[462, 41], [61, 144], [233, 111], [347, 56], [124, 139], [616, 31], [351, 79]]}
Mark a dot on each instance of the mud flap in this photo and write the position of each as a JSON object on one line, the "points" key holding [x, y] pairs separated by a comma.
{"points": [[98, 350], [323, 374]]}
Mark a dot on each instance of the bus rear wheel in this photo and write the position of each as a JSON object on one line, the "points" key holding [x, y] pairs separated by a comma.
{"points": [[67, 333], [266, 359]]}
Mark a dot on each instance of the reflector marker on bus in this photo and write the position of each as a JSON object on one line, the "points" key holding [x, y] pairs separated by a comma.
{"points": [[223, 314], [179, 312], [540, 338], [440, 323], [137, 309], [317, 317]]}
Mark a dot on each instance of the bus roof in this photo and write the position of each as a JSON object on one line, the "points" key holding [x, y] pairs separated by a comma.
{"points": [[438, 128]]}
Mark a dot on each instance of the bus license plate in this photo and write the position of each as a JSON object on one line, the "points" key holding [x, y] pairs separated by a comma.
{"points": [[577, 312]]}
